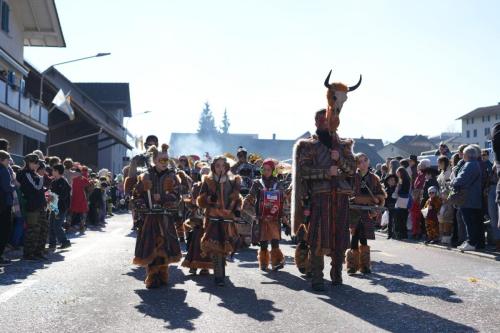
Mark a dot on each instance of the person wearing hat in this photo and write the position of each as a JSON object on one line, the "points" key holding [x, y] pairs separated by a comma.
{"points": [[220, 198], [266, 196], [157, 245], [33, 194], [431, 211]]}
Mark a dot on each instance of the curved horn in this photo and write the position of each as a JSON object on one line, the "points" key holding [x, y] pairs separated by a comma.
{"points": [[327, 80], [357, 84]]}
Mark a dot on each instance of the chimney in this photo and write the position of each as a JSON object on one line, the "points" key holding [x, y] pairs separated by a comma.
{"points": [[274, 136]]}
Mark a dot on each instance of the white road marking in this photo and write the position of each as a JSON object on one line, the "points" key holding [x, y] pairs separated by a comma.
{"points": [[387, 254], [4, 297]]}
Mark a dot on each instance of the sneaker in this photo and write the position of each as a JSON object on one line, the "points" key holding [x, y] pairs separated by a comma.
{"points": [[52, 246], [192, 271], [65, 245], [467, 247], [5, 262], [204, 272]]}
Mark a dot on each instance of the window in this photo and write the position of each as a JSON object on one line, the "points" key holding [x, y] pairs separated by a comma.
{"points": [[467, 121], [472, 120], [5, 16], [468, 134], [483, 119], [475, 133], [486, 131], [488, 118]]}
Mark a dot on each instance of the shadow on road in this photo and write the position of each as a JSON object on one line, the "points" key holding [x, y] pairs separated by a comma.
{"points": [[20, 270], [167, 303], [240, 300], [379, 311], [401, 270]]}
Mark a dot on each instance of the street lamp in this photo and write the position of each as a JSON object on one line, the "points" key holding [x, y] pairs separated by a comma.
{"points": [[67, 62]]}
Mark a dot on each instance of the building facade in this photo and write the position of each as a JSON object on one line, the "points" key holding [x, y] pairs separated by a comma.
{"points": [[477, 124], [23, 120]]}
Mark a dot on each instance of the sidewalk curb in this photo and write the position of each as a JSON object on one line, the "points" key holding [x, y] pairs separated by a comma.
{"points": [[486, 255]]}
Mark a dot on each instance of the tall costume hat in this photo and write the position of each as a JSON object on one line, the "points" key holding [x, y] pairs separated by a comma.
{"points": [[336, 96]]}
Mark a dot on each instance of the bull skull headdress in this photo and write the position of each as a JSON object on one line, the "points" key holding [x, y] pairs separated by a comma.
{"points": [[336, 96]]}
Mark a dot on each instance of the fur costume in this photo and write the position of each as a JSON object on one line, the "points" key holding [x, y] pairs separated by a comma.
{"points": [[220, 237], [364, 259], [157, 245], [352, 261], [277, 258], [195, 230], [263, 258], [363, 219]]}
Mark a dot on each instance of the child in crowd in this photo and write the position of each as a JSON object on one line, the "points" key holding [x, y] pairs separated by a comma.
{"points": [[433, 206], [445, 217]]}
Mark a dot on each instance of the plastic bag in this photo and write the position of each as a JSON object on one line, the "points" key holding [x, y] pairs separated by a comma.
{"points": [[385, 219]]}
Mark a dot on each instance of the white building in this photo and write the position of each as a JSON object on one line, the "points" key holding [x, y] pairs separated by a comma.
{"points": [[477, 124], [23, 120]]}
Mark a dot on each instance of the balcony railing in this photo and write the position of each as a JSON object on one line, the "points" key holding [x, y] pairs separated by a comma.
{"points": [[25, 105]]}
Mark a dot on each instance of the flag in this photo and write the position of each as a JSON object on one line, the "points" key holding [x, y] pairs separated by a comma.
{"points": [[63, 103]]}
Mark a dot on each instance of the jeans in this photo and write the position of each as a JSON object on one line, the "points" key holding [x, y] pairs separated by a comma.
{"points": [[56, 232], [471, 218]]}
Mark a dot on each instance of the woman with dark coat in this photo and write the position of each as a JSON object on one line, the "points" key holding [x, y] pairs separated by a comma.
{"points": [[401, 210], [6, 201], [33, 193]]}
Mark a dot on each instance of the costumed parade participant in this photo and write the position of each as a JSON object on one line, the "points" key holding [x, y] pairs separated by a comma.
{"points": [[323, 169], [184, 188], [368, 197], [195, 230], [157, 196], [267, 195], [244, 169], [220, 198]]}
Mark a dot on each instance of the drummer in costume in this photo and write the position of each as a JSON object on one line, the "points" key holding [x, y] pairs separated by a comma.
{"points": [[157, 245], [267, 196], [220, 198], [195, 230], [368, 193]]}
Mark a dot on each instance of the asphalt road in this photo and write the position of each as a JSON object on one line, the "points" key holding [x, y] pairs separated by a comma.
{"points": [[93, 287]]}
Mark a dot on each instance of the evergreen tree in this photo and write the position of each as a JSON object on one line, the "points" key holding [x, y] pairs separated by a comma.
{"points": [[225, 123], [207, 123]]}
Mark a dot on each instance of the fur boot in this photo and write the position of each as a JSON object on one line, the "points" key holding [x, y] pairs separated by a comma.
{"points": [[364, 259], [152, 277], [352, 259], [302, 258], [263, 259], [277, 259], [163, 274]]}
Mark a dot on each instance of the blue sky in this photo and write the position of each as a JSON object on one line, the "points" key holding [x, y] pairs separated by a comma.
{"points": [[424, 63]]}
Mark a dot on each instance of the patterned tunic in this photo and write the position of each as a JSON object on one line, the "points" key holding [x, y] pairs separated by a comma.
{"points": [[157, 243], [327, 231]]}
